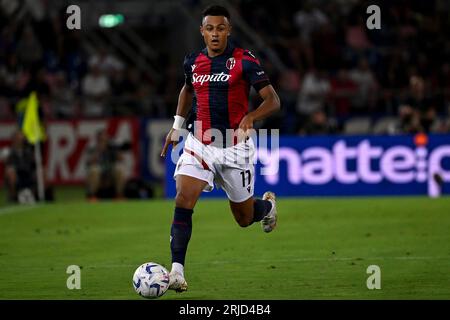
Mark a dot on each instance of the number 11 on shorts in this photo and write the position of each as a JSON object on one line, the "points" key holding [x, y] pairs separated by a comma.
{"points": [[249, 177]]}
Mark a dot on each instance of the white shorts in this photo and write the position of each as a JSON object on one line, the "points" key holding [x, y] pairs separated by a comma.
{"points": [[231, 169]]}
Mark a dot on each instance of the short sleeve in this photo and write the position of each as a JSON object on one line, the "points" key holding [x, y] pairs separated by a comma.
{"points": [[253, 72], [187, 71]]}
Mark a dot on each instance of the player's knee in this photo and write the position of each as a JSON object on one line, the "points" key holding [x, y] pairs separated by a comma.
{"points": [[185, 200]]}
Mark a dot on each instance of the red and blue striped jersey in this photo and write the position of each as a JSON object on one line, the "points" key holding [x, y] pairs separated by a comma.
{"points": [[221, 87]]}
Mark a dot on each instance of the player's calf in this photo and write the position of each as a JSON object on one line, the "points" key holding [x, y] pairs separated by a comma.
{"points": [[244, 221], [251, 210], [243, 212]]}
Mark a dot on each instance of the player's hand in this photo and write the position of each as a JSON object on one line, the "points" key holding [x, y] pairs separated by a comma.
{"points": [[172, 138], [246, 123], [244, 127]]}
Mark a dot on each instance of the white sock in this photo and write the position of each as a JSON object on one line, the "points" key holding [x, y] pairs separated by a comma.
{"points": [[178, 267]]}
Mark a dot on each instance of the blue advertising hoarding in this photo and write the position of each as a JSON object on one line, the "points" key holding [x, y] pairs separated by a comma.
{"points": [[348, 166]]}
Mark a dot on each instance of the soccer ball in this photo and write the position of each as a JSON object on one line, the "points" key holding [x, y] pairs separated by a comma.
{"points": [[151, 280]]}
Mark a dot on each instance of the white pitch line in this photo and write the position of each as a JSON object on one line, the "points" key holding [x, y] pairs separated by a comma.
{"points": [[18, 208]]}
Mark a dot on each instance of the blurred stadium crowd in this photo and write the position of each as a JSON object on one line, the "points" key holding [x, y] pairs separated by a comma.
{"points": [[333, 75]]}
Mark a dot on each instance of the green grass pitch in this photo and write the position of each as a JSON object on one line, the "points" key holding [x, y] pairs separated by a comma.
{"points": [[320, 250]]}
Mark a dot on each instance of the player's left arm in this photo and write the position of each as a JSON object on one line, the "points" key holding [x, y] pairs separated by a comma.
{"points": [[270, 105]]}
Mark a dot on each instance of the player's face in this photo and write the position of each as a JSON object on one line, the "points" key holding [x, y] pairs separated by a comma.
{"points": [[215, 31]]}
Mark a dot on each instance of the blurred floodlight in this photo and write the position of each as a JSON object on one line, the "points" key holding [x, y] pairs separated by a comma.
{"points": [[110, 20]]}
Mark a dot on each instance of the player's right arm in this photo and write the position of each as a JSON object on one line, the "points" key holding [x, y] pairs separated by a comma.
{"points": [[183, 107]]}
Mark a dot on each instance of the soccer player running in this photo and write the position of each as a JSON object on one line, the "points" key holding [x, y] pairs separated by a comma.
{"points": [[217, 84]]}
